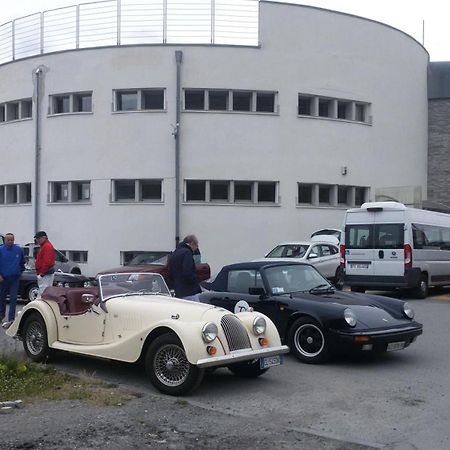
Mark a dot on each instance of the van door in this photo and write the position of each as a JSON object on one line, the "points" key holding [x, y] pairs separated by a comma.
{"points": [[389, 249], [359, 252]]}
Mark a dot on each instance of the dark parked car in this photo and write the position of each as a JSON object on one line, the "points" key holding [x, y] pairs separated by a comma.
{"points": [[28, 288], [157, 262], [312, 317]]}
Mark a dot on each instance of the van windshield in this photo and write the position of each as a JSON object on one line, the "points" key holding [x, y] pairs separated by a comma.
{"points": [[383, 236]]}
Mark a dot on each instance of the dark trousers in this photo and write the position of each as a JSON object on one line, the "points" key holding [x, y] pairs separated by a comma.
{"points": [[9, 285]]}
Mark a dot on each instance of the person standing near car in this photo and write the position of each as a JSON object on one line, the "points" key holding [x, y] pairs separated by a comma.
{"points": [[12, 264], [45, 262], [182, 269]]}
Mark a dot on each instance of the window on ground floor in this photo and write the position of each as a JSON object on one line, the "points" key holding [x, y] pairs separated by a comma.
{"points": [[139, 191], [78, 191]]}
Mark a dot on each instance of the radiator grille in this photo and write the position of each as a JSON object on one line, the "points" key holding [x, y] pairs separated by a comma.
{"points": [[235, 332]]}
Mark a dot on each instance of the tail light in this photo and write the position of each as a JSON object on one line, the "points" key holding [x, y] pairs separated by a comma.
{"points": [[342, 253], [407, 250]]}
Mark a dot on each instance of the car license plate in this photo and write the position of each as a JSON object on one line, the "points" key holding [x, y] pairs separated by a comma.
{"points": [[270, 361], [359, 266], [395, 346]]}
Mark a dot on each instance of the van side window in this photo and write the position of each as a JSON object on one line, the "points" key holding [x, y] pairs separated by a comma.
{"points": [[431, 237], [389, 235], [359, 236]]}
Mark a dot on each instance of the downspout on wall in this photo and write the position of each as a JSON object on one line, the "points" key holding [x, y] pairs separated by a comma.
{"points": [[176, 134], [37, 81]]}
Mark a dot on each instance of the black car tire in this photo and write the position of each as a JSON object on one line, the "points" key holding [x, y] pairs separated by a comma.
{"points": [[247, 369], [31, 292], [34, 335], [421, 291], [307, 341], [168, 368], [358, 289], [339, 279]]}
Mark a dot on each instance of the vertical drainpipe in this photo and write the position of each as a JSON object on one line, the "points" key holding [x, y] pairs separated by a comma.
{"points": [[37, 146], [176, 134]]}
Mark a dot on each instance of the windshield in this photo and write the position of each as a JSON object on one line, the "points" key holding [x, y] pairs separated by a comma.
{"points": [[149, 258], [289, 251], [294, 278], [113, 285]]}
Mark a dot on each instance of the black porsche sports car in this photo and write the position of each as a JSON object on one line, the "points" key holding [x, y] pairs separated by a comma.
{"points": [[28, 287], [312, 317]]}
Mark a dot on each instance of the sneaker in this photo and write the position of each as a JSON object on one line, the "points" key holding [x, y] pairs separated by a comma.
{"points": [[6, 325]]}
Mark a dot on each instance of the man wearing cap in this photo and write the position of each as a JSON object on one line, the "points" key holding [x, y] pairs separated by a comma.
{"points": [[45, 261], [12, 264]]}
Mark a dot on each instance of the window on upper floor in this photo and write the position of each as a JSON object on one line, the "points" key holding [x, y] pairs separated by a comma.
{"points": [[75, 102], [231, 192], [218, 100], [16, 110], [78, 256], [137, 191], [242, 101], [194, 99], [19, 193], [147, 99], [305, 192], [69, 191], [304, 105]]}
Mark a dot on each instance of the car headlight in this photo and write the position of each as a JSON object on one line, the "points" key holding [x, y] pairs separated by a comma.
{"points": [[350, 317], [407, 309], [209, 332], [259, 325]]}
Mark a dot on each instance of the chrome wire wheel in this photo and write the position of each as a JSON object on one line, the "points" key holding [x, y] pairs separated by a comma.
{"points": [[170, 365], [309, 340], [35, 338]]}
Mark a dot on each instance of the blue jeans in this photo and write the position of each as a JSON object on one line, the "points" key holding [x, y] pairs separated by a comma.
{"points": [[9, 285]]}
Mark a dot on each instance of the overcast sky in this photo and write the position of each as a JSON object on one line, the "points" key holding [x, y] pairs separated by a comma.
{"points": [[407, 15]]}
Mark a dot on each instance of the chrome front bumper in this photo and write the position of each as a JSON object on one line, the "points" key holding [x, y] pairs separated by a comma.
{"points": [[241, 355]]}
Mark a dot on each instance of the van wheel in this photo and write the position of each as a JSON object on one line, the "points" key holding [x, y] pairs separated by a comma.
{"points": [[358, 289], [421, 291]]}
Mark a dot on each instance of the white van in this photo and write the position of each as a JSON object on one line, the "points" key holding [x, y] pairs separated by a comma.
{"points": [[388, 245]]}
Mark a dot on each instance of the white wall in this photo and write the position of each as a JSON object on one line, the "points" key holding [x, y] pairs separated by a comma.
{"points": [[302, 49]]}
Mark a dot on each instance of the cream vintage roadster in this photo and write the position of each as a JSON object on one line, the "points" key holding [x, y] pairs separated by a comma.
{"points": [[132, 317]]}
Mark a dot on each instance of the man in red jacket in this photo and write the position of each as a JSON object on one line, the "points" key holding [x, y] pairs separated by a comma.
{"points": [[45, 261]]}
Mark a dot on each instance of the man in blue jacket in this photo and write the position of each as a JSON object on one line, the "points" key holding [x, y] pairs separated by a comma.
{"points": [[182, 269], [12, 264]]}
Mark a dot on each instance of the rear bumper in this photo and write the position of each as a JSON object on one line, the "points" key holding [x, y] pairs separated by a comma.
{"points": [[375, 340], [241, 355], [410, 279]]}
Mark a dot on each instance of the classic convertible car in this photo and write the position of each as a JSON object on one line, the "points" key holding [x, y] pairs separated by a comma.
{"points": [[312, 317], [132, 317]]}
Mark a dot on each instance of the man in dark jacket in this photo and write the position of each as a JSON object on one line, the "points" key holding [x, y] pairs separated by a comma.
{"points": [[45, 261], [12, 264], [182, 269]]}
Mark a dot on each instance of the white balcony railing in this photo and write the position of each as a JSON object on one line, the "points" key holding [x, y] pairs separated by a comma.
{"points": [[131, 22]]}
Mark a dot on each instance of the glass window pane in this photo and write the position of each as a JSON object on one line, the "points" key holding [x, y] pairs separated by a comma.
{"points": [[127, 101], [242, 101], [82, 103], [305, 193], [343, 195], [151, 190], [243, 191], [61, 104], [195, 190], [324, 107], [218, 100], [266, 192], [125, 190], [304, 105], [265, 102], [194, 99], [219, 190], [153, 99], [360, 194]]}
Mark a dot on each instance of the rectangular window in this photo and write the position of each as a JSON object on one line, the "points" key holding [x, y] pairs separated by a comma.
{"points": [[218, 100], [359, 236], [243, 191], [305, 192], [12, 111], [343, 192], [195, 190], [125, 190], [61, 191], [79, 256], [24, 192], [61, 104], [324, 107], [344, 109], [389, 236], [2, 113], [304, 105], [265, 102], [81, 191], [242, 101], [267, 192], [360, 195], [126, 100], [324, 194], [26, 109], [194, 99], [11, 194], [360, 112], [219, 191], [2, 195], [153, 99], [150, 190], [82, 102]]}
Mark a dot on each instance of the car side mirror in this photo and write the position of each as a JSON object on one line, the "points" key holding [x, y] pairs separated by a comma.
{"points": [[257, 291], [313, 255], [88, 299]]}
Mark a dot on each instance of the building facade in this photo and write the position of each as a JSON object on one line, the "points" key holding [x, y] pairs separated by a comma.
{"points": [[119, 149]]}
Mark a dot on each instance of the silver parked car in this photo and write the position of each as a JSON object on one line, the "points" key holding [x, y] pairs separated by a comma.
{"points": [[62, 263]]}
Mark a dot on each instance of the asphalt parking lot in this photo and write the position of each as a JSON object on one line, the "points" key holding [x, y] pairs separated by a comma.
{"points": [[398, 401]]}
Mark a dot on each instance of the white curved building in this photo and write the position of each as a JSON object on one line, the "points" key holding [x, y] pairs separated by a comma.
{"points": [[318, 112]]}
